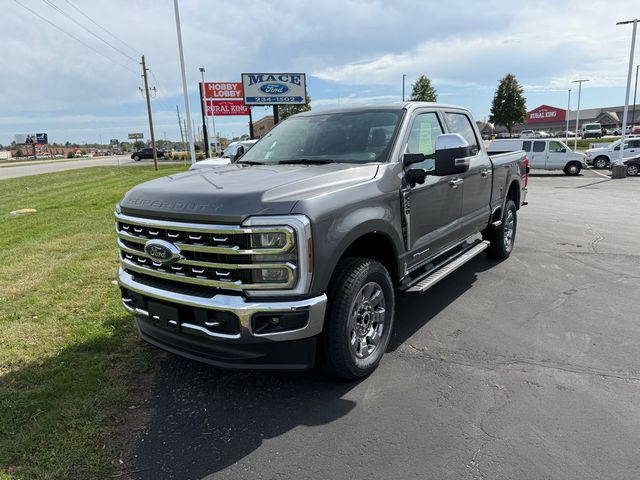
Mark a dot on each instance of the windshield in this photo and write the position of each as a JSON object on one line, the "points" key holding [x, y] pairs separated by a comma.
{"points": [[349, 137]]}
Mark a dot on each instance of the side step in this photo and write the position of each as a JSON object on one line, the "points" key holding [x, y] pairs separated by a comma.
{"points": [[430, 280]]}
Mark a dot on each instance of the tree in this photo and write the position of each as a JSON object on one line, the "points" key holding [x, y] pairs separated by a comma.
{"points": [[285, 111], [509, 105], [423, 91]]}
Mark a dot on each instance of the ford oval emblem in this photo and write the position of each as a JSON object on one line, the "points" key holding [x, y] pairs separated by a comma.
{"points": [[162, 252], [274, 88]]}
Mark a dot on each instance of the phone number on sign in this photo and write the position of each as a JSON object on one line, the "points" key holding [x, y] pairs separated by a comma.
{"points": [[274, 99]]}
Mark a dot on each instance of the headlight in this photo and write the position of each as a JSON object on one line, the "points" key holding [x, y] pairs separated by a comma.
{"points": [[268, 240]]}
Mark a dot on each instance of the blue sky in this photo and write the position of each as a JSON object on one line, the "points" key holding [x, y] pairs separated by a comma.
{"points": [[353, 51]]}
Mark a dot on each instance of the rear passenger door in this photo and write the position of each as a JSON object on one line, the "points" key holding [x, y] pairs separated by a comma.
{"points": [[476, 182], [538, 158]]}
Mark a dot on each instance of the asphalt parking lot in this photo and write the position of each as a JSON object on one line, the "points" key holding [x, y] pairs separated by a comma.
{"points": [[525, 369]]}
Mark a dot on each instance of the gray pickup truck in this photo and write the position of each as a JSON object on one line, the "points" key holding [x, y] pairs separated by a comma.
{"points": [[294, 255]]}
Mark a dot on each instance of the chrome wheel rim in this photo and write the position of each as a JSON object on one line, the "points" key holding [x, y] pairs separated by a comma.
{"points": [[366, 320], [601, 163], [573, 169], [509, 230], [632, 170]]}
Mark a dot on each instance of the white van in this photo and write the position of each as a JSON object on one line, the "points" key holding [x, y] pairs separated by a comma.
{"points": [[591, 130], [543, 154]]}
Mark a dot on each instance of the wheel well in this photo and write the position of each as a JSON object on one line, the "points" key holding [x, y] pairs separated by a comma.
{"points": [[602, 156], [514, 194], [375, 246]]}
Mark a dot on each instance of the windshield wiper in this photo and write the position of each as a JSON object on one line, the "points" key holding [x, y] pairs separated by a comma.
{"points": [[248, 162], [306, 161]]}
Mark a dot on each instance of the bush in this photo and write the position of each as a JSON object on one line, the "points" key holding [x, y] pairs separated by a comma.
{"points": [[70, 154]]}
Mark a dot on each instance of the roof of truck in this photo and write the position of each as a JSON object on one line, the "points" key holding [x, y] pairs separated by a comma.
{"points": [[382, 106]]}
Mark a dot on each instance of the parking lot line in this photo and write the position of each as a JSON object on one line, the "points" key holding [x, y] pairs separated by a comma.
{"points": [[601, 174]]}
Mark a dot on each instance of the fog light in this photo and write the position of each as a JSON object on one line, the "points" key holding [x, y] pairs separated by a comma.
{"points": [[272, 275], [268, 240]]}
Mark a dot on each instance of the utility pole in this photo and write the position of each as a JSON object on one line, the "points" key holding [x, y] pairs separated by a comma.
{"points": [[635, 90], [566, 132], [146, 92], [404, 75], [618, 169], [184, 147], [579, 82], [192, 146]]}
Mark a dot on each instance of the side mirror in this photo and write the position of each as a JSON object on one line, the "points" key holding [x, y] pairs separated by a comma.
{"points": [[452, 152], [411, 158]]}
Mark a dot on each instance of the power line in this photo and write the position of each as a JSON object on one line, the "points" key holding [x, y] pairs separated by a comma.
{"points": [[54, 6], [163, 92], [102, 28], [76, 38]]}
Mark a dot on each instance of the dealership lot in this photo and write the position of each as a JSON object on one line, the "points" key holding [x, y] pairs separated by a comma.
{"points": [[523, 369]]}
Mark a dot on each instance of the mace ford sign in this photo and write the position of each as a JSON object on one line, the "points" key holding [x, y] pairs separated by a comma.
{"points": [[546, 114], [274, 88]]}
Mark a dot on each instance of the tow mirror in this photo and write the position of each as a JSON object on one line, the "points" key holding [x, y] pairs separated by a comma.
{"points": [[452, 154]]}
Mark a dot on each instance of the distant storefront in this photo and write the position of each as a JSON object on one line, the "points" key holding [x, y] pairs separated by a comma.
{"points": [[553, 119], [262, 126]]}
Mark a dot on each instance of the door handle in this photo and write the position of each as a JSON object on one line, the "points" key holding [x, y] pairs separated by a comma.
{"points": [[485, 172], [456, 182]]}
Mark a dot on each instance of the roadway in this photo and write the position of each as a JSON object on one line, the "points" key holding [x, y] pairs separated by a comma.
{"points": [[14, 171]]}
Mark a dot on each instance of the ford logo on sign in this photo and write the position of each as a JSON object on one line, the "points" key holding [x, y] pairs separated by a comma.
{"points": [[274, 88], [162, 252]]}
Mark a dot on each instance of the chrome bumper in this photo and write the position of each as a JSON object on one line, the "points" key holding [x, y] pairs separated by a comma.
{"points": [[237, 305]]}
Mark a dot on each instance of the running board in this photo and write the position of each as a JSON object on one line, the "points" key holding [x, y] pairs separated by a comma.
{"points": [[430, 280]]}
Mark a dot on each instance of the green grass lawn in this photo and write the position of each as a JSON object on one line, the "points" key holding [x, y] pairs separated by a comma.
{"points": [[69, 354]]}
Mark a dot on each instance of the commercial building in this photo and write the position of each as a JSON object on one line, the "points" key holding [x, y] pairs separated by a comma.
{"points": [[262, 126], [554, 119]]}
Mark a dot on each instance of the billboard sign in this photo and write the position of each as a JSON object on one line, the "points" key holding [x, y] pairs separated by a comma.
{"points": [[42, 138], [224, 98], [136, 136], [546, 114], [25, 138], [274, 88]]}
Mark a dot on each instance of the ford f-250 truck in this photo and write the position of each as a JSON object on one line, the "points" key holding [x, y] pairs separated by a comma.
{"points": [[295, 253]]}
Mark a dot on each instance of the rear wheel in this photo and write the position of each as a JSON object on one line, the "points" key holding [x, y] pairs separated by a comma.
{"points": [[600, 162], [633, 169], [573, 168], [136, 158], [502, 238], [359, 318]]}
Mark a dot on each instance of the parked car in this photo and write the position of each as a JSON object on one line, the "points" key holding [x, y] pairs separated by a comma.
{"points": [[232, 153], [591, 130], [146, 153], [602, 157], [544, 154], [633, 165], [298, 250], [565, 134], [542, 134], [527, 134]]}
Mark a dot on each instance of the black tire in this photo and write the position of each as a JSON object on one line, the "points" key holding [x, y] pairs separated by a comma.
{"points": [[136, 158], [600, 162], [499, 246], [572, 168], [340, 338], [632, 169]]}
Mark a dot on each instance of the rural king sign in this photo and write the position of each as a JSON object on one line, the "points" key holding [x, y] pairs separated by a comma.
{"points": [[224, 98], [546, 114], [274, 88]]}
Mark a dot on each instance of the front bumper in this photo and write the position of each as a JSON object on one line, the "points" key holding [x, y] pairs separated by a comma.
{"points": [[184, 324]]}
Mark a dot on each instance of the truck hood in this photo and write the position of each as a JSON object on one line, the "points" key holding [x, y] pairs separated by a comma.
{"points": [[232, 193]]}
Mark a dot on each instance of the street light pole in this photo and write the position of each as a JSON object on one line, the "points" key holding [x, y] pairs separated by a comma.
{"points": [[575, 140], [403, 77], [626, 98], [566, 132], [192, 146], [635, 91], [203, 106]]}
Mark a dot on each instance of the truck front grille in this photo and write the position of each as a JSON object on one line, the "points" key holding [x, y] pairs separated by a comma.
{"points": [[217, 256]]}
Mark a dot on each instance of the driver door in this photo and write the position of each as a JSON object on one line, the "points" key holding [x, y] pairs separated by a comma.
{"points": [[435, 207]]}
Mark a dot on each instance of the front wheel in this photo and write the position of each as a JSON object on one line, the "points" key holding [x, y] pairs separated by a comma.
{"points": [[573, 169], [359, 318], [632, 169], [501, 239], [600, 162], [136, 158]]}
